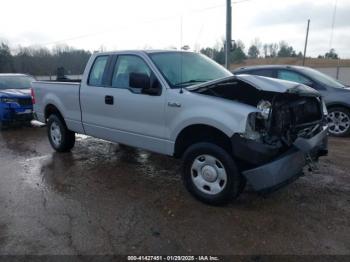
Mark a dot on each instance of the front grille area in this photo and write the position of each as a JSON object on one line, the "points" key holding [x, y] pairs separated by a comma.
{"points": [[294, 116], [306, 110], [25, 101]]}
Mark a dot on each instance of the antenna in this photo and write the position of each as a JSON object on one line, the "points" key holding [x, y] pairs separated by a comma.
{"points": [[181, 91], [228, 33]]}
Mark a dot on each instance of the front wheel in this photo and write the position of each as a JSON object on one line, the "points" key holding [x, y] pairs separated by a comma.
{"points": [[339, 121], [210, 174], [61, 139]]}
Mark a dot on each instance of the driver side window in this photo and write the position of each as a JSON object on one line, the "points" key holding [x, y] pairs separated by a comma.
{"points": [[125, 65], [293, 76]]}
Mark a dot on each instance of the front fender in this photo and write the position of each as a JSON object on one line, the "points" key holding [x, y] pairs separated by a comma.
{"points": [[230, 117]]}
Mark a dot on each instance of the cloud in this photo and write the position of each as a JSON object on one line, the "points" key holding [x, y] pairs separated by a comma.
{"points": [[320, 15]]}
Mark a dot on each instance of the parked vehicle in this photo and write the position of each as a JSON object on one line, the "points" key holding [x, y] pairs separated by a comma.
{"points": [[226, 128], [15, 99], [335, 94]]}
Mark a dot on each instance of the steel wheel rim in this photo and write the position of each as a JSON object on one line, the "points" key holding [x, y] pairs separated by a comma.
{"points": [[55, 133], [208, 174], [338, 122]]}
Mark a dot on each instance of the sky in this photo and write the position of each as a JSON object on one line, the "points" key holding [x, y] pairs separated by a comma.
{"points": [[163, 24]]}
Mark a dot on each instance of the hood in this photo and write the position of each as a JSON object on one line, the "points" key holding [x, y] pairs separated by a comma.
{"points": [[264, 84], [15, 93]]}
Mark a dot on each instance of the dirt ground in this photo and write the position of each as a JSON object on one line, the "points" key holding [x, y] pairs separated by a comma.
{"points": [[106, 199]]}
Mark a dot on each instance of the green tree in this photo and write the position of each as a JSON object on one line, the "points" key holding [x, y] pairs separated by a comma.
{"points": [[331, 54], [253, 51], [285, 50], [237, 55], [6, 60], [208, 51]]}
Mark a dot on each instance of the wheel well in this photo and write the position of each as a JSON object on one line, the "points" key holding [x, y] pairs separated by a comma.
{"points": [[51, 109], [338, 105], [200, 133]]}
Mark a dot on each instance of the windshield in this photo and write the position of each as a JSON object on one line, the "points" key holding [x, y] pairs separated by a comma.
{"points": [[184, 68], [16, 82], [322, 78]]}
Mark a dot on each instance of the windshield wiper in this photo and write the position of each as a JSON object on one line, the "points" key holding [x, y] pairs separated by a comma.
{"points": [[192, 81]]}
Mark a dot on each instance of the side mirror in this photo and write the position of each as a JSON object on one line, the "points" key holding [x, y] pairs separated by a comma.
{"points": [[139, 81], [147, 85]]}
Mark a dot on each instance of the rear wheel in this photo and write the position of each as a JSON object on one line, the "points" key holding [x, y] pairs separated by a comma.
{"points": [[61, 139], [210, 174], [339, 121]]}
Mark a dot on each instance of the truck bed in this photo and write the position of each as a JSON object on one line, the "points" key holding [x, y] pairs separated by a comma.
{"points": [[64, 95]]}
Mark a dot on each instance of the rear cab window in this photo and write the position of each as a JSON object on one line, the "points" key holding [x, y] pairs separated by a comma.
{"points": [[97, 71]]}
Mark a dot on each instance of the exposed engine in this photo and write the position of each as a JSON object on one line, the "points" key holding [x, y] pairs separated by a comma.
{"points": [[290, 116], [282, 117]]}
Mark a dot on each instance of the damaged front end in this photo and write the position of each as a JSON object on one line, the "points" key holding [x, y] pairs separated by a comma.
{"points": [[290, 117], [287, 131]]}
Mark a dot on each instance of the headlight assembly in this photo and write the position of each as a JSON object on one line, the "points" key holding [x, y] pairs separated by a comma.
{"points": [[324, 108], [265, 107]]}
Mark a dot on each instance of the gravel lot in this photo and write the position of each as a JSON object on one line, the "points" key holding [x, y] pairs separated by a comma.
{"points": [[106, 199]]}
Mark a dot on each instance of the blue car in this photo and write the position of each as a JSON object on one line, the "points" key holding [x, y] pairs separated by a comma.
{"points": [[15, 99]]}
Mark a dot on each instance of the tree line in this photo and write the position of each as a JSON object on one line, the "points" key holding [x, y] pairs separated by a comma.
{"points": [[44, 61], [257, 50]]}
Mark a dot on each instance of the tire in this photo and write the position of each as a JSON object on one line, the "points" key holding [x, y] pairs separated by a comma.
{"points": [[61, 139], [338, 121], [210, 174]]}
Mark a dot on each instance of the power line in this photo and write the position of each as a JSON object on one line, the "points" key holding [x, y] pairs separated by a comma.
{"points": [[242, 1], [106, 31], [146, 21], [218, 6]]}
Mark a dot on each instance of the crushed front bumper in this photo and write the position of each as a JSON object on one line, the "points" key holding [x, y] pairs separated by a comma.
{"points": [[288, 166]]}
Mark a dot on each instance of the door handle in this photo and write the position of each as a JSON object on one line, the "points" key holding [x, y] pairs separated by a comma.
{"points": [[109, 100], [174, 104]]}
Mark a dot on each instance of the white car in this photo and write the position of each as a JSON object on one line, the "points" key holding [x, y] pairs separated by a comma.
{"points": [[228, 129]]}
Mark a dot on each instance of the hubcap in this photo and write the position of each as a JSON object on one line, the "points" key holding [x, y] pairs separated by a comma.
{"points": [[208, 174], [55, 133], [338, 122]]}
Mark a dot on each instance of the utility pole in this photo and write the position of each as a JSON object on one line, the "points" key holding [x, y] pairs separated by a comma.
{"points": [[307, 36], [228, 33]]}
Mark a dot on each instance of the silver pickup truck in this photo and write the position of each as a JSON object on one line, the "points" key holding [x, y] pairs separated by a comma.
{"points": [[228, 129]]}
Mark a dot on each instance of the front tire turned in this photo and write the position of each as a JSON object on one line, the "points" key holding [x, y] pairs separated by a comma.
{"points": [[61, 139], [210, 174]]}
